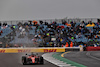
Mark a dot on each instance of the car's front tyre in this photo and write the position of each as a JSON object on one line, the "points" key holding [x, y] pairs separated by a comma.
{"points": [[41, 60], [24, 60]]}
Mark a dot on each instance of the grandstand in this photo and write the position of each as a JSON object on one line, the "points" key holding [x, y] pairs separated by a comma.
{"points": [[50, 33]]}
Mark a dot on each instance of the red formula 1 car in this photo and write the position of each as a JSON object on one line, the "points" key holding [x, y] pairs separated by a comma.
{"points": [[32, 59]]}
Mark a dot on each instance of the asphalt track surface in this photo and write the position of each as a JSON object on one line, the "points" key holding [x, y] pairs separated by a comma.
{"points": [[87, 58], [14, 60]]}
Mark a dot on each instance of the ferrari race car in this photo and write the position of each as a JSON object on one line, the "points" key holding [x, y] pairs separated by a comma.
{"points": [[32, 59]]}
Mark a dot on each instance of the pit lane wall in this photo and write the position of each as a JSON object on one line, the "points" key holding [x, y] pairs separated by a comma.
{"points": [[21, 50]]}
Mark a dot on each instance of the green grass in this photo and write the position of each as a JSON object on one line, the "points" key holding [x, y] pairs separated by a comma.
{"points": [[58, 56]]}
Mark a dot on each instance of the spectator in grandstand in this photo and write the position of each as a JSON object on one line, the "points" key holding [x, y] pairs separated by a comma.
{"points": [[4, 24], [23, 32], [13, 27], [20, 28], [25, 24], [30, 28], [1, 31], [82, 24], [73, 24], [41, 22]]}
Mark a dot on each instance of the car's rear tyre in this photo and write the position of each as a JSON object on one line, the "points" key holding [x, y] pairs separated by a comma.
{"points": [[41, 60], [36, 60], [24, 60]]}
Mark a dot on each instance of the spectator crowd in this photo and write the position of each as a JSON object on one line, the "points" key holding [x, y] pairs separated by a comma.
{"points": [[63, 34], [68, 34]]}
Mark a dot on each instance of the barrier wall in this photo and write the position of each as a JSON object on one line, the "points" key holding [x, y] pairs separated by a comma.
{"points": [[21, 50], [90, 48]]}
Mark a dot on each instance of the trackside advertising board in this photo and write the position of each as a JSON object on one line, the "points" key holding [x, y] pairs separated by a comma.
{"points": [[21, 50]]}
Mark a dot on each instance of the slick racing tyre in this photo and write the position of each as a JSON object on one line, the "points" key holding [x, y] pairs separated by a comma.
{"points": [[41, 60], [24, 60]]}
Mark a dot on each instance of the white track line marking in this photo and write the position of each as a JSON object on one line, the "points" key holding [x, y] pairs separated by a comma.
{"points": [[48, 57], [88, 54]]}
